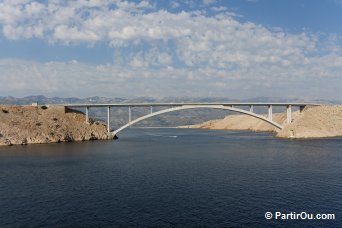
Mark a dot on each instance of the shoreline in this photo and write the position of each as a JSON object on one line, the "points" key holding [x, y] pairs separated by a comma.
{"points": [[22, 125], [318, 122]]}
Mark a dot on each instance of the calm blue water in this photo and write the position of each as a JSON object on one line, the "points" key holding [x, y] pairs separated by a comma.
{"points": [[171, 178]]}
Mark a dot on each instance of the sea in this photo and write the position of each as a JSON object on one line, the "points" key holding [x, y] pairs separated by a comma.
{"points": [[173, 178]]}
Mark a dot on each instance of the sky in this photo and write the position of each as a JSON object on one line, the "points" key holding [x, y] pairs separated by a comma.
{"points": [[156, 48]]}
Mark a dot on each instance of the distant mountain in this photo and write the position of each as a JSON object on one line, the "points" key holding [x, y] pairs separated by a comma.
{"points": [[299, 100], [96, 99], [57, 100]]}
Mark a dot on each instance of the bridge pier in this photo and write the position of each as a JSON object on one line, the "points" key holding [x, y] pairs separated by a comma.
{"points": [[87, 114], [108, 118], [129, 114], [270, 112], [288, 114], [251, 108], [151, 109]]}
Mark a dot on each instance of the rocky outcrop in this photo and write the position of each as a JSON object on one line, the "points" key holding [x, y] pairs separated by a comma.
{"points": [[312, 122], [42, 124], [315, 122], [242, 122]]}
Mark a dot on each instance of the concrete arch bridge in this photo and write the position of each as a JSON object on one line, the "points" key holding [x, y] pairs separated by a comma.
{"points": [[172, 107]]}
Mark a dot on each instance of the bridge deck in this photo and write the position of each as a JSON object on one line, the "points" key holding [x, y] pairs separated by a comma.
{"points": [[197, 103]]}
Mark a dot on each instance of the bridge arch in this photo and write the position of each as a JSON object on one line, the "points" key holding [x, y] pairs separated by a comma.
{"points": [[183, 107]]}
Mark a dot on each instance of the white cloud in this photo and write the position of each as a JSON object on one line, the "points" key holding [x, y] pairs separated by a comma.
{"points": [[72, 78], [203, 53], [174, 4], [73, 34], [219, 8], [208, 2]]}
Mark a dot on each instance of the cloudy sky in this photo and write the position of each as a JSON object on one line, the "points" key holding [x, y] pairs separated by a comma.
{"points": [[159, 48]]}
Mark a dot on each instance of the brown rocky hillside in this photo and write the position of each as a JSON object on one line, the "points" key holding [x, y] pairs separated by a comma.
{"points": [[314, 122], [42, 124]]}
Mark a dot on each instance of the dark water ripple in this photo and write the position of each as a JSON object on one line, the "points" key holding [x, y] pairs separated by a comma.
{"points": [[171, 178]]}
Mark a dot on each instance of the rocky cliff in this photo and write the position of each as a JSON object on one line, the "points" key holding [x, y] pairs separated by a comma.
{"points": [[43, 124]]}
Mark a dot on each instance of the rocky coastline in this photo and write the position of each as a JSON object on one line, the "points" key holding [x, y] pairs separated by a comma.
{"points": [[21, 125], [313, 122]]}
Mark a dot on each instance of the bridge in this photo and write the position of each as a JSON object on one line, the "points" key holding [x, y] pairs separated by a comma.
{"points": [[172, 107]]}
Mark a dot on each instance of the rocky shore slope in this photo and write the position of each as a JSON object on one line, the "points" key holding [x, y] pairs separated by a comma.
{"points": [[43, 124], [313, 122], [240, 122]]}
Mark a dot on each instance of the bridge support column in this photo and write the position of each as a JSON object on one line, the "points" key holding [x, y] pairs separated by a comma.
{"points": [[87, 114], [288, 114], [251, 108], [108, 118], [151, 108], [270, 112], [129, 114], [301, 108]]}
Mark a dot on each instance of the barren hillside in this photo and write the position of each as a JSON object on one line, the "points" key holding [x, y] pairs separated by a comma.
{"points": [[313, 122], [29, 124], [241, 122]]}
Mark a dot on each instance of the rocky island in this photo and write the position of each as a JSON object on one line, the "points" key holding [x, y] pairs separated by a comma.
{"points": [[313, 122], [47, 124]]}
